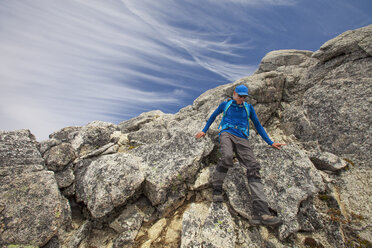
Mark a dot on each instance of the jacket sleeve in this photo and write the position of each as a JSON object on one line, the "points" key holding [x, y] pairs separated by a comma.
{"points": [[261, 131], [211, 119]]}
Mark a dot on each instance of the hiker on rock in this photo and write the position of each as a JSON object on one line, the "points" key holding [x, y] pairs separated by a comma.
{"points": [[234, 138]]}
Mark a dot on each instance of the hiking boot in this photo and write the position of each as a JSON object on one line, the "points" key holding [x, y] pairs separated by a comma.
{"points": [[217, 196], [266, 220]]}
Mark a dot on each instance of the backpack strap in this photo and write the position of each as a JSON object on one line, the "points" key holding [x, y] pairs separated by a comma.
{"points": [[246, 106], [224, 112]]}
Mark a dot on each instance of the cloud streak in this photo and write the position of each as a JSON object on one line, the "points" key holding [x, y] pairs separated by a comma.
{"points": [[74, 61], [70, 63]]}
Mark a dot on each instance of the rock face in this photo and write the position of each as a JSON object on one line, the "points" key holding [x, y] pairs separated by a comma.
{"points": [[208, 226], [19, 153], [31, 206], [290, 178], [146, 182], [108, 182]]}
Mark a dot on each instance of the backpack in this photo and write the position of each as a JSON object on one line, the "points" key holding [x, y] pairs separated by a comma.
{"points": [[223, 125]]}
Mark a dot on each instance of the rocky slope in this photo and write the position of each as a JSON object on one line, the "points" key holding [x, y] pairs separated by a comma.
{"points": [[145, 182]]}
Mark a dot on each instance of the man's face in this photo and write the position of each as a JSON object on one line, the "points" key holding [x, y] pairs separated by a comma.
{"points": [[239, 99]]}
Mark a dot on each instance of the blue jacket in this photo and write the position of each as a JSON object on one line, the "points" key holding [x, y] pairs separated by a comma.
{"points": [[237, 115]]}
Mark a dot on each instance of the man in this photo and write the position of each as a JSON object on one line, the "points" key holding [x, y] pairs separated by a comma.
{"points": [[234, 138]]}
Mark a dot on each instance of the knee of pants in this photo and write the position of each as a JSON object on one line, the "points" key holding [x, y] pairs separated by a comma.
{"points": [[227, 160], [253, 175], [219, 174]]}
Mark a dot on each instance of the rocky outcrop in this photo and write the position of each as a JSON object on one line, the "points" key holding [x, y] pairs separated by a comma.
{"points": [[19, 153], [334, 114], [31, 206], [107, 182], [208, 226], [146, 182], [290, 178]]}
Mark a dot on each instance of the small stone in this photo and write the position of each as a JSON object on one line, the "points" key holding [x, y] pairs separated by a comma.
{"points": [[156, 229], [59, 156]]}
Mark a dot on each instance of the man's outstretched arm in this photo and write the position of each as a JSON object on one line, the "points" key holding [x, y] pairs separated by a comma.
{"points": [[211, 119]]}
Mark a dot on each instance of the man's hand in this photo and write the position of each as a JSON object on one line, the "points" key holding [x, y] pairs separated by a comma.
{"points": [[200, 135], [277, 145]]}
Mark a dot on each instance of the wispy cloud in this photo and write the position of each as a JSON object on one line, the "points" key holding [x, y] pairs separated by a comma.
{"points": [[71, 62], [204, 37], [66, 63], [258, 2], [74, 61]]}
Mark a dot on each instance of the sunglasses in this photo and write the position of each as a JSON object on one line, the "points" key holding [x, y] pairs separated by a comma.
{"points": [[242, 96]]}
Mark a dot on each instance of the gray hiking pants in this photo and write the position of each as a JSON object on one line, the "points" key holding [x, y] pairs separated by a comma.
{"points": [[230, 143]]}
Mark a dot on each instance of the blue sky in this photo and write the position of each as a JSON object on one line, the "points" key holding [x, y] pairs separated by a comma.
{"points": [[70, 62]]}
